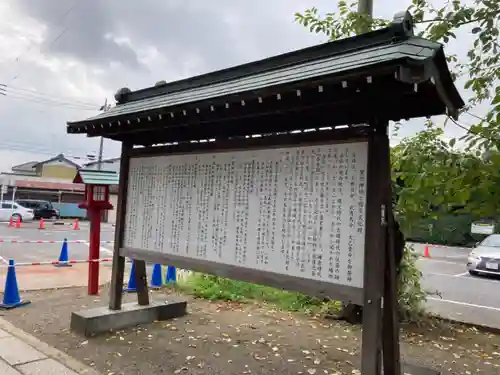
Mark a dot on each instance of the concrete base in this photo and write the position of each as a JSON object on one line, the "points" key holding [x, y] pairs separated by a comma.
{"points": [[102, 319], [418, 370]]}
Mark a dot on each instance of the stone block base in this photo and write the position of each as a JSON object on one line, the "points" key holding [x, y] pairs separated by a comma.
{"points": [[101, 319]]}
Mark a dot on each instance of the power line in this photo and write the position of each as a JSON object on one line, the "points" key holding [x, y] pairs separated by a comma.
{"points": [[35, 92], [29, 148], [48, 102], [51, 44], [44, 147], [469, 131], [86, 159]]}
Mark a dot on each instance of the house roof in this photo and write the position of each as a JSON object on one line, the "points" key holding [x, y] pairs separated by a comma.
{"points": [[48, 185], [104, 161], [90, 176], [59, 157], [28, 167], [392, 57]]}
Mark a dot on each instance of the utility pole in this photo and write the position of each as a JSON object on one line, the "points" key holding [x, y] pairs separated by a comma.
{"points": [[99, 158], [365, 7], [104, 108]]}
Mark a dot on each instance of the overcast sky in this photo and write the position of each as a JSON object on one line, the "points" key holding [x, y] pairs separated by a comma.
{"points": [[61, 59]]}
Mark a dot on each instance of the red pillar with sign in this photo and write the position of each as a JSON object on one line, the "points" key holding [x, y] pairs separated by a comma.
{"points": [[96, 200]]}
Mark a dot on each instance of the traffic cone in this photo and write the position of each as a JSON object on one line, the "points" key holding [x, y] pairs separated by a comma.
{"points": [[171, 275], [156, 277], [11, 222], [18, 222], [42, 224], [132, 285], [11, 297], [426, 252], [76, 225], [63, 256]]}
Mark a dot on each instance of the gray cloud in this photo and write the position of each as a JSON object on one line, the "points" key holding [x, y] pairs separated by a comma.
{"points": [[104, 44], [221, 33]]}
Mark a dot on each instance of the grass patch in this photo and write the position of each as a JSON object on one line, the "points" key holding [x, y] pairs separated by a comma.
{"points": [[219, 288]]}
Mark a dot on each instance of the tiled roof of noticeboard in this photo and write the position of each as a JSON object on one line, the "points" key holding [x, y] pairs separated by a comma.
{"points": [[393, 44], [96, 177]]}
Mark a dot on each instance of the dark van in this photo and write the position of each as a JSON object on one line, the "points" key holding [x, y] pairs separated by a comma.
{"points": [[41, 209]]}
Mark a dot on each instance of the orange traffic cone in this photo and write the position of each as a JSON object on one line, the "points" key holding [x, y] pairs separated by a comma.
{"points": [[76, 226], [18, 222], [11, 222], [42, 224], [426, 252]]}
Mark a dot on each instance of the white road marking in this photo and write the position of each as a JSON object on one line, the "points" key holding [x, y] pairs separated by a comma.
{"points": [[101, 248], [464, 276], [464, 304], [438, 260], [438, 274], [105, 250]]}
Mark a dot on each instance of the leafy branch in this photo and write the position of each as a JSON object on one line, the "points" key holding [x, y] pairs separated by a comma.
{"points": [[482, 69]]}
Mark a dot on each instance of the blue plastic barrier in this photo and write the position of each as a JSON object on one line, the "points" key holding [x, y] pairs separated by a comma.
{"points": [[70, 210]]}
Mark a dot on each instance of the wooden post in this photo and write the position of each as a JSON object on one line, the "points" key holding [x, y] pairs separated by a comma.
{"points": [[374, 256], [390, 322], [118, 268], [141, 282]]}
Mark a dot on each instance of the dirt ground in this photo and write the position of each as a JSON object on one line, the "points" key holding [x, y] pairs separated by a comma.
{"points": [[229, 338]]}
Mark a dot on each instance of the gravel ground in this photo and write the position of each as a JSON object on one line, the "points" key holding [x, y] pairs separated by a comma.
{"points": [[232, 338]]}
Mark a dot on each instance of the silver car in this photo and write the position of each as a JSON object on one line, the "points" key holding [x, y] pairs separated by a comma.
{"points": [[485, 257]]}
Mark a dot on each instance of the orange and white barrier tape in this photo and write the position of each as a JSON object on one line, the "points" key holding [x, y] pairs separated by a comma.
{"points": [[48, 241], [55, 262]]}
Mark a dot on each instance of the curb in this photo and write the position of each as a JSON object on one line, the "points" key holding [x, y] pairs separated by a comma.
{"points": [[479, 327], [48, 350]]}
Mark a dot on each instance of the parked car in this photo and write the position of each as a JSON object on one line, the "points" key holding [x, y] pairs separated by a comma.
{"points": [[485, 257], [14, 210], [41, 209]]}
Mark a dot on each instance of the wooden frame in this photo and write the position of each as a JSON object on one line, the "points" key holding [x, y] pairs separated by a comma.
{"points": [[379, 269], [322, 86]]}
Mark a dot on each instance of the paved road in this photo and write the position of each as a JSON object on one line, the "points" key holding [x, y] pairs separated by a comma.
{"points": [[40, 252], [462, 297]]}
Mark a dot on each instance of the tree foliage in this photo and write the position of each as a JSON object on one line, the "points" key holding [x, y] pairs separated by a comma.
{"points": [[431, 176], [435, 173], [481, 70]]}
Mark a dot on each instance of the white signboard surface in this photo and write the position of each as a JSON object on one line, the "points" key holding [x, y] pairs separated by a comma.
{"points": [[296, 211], [482, 228]]}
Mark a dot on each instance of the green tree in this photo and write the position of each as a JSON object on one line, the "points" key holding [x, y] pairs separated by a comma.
{"points": [[481, 69], [434, 182], [431, 173]]}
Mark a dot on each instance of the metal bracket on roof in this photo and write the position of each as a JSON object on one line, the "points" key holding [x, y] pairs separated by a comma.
{"points": [[403, 23]]}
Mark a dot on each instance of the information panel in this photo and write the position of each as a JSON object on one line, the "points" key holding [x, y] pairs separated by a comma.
{"points": [[295, 211]]}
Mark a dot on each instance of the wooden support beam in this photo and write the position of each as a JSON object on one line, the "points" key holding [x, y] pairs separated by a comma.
{"points": [[118, 267]]}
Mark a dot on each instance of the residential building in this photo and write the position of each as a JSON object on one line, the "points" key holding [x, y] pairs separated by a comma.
{"points": [[106, 165], [50, 179]]}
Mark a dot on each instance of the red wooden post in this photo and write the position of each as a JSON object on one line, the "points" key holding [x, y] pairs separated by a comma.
{"points": [[94, 250], [96, 200]]}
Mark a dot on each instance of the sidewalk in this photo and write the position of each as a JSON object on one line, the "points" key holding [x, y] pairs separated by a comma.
{"points": [[23, 354]]}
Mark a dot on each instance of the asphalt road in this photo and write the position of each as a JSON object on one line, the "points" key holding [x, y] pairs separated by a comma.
{"points": [[14, 245], [460, 296]]}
